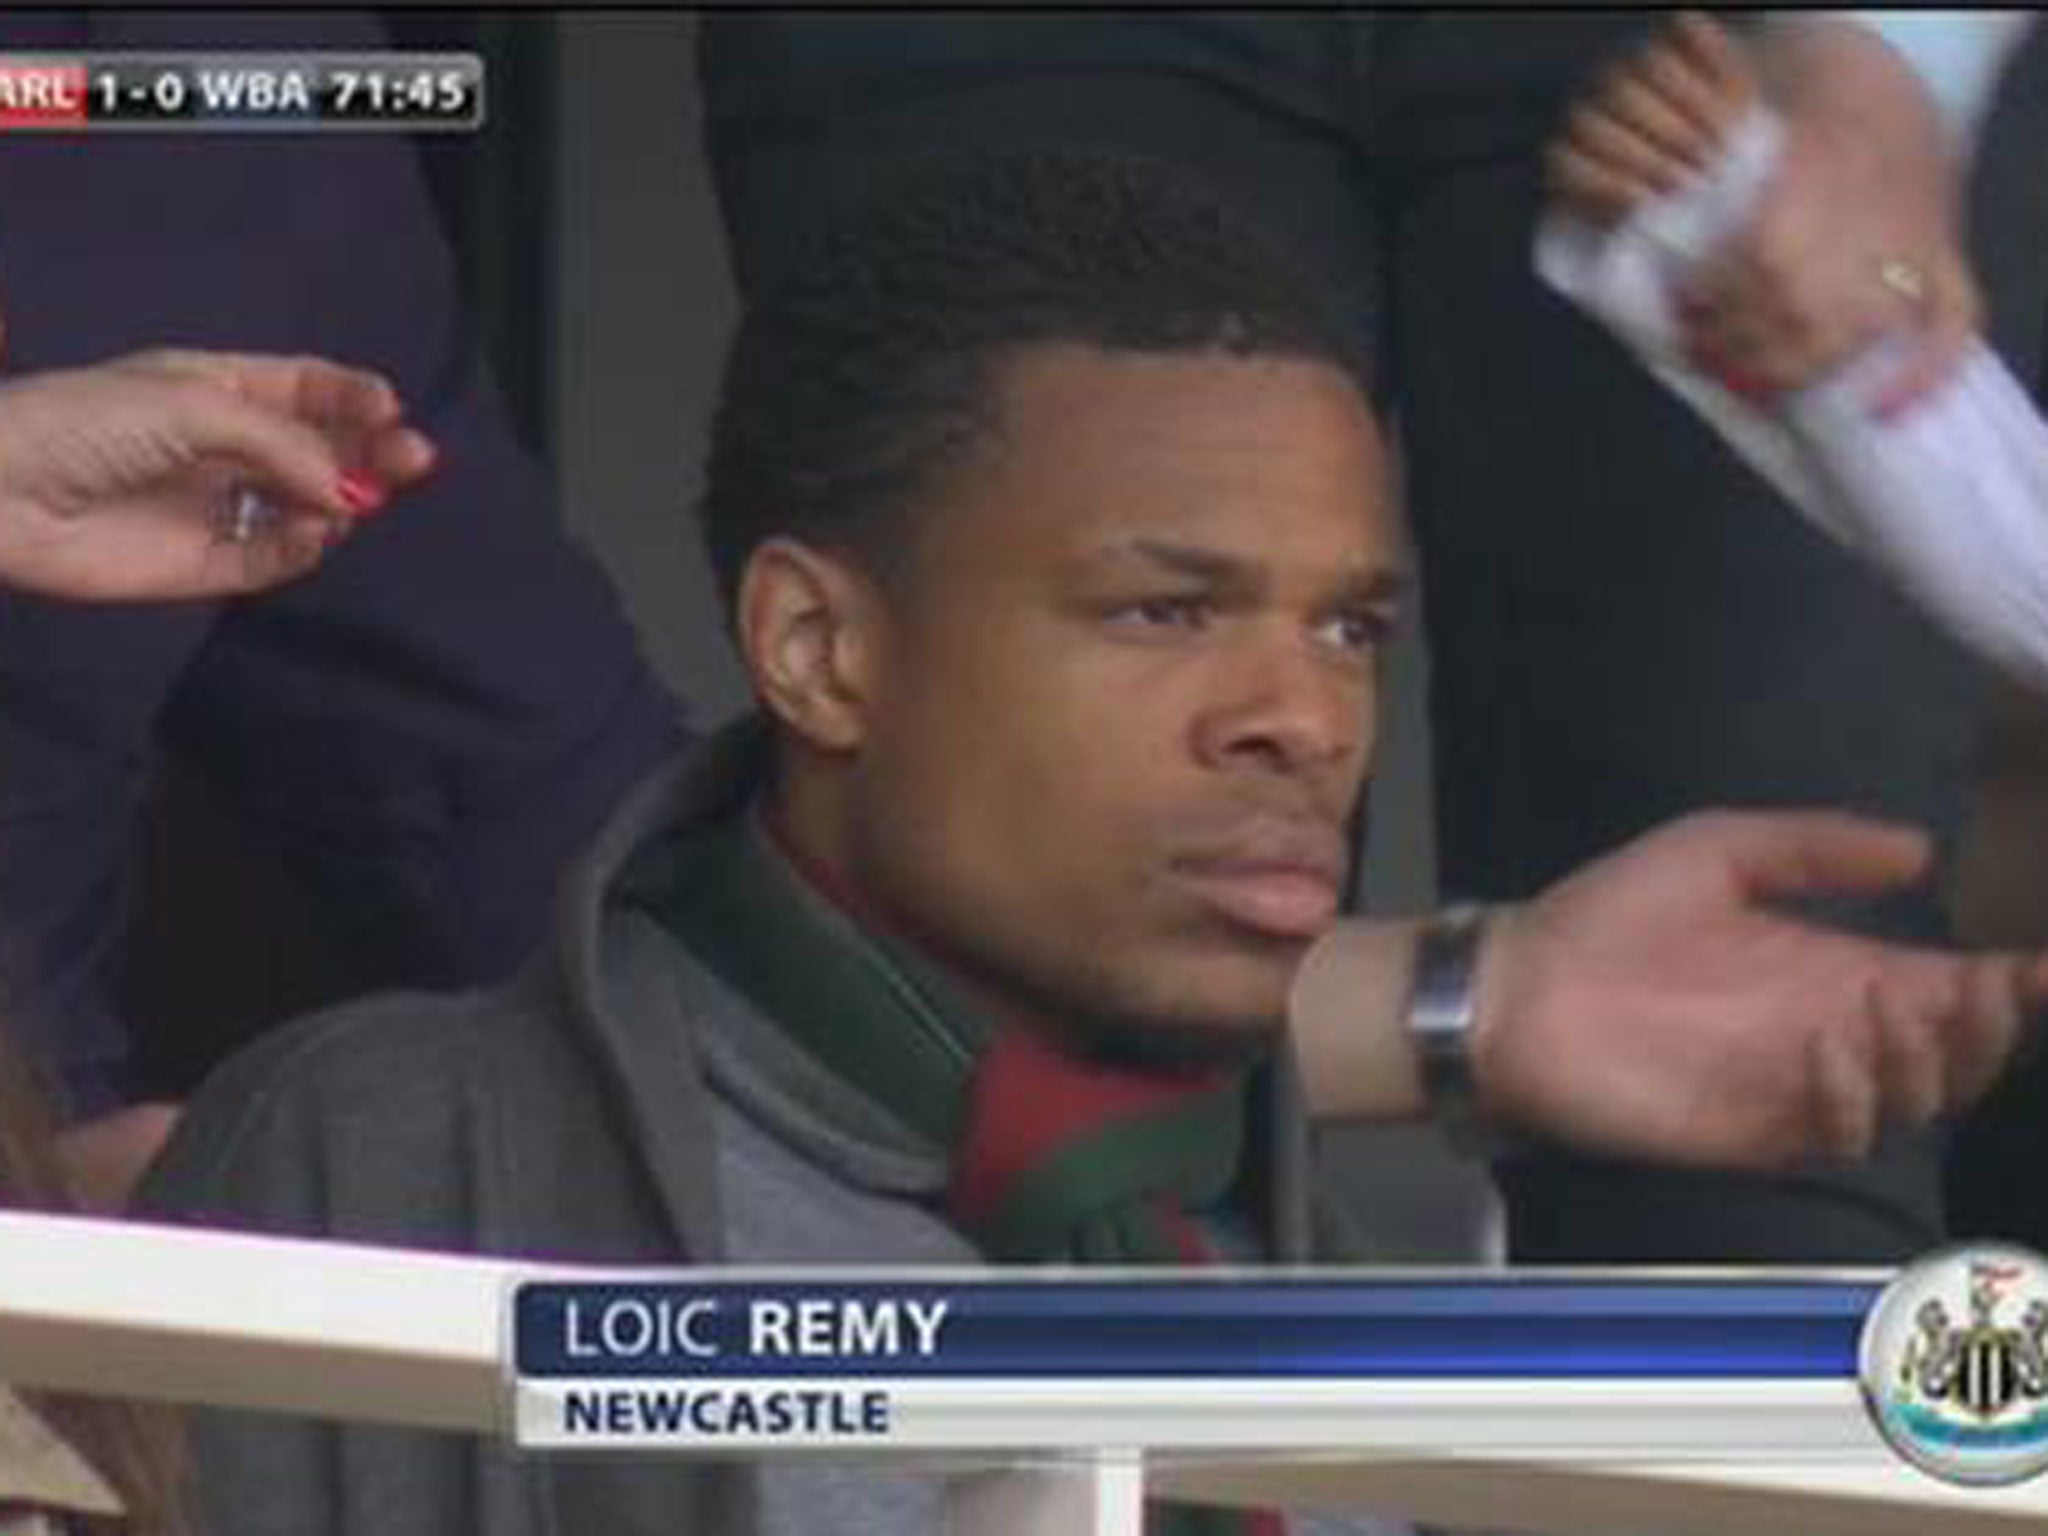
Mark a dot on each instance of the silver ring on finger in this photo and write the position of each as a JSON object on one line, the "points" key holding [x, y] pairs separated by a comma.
{"points": [[245, 513]]}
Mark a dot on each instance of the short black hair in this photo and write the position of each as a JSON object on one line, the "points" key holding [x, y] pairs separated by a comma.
{"points": [[866, 365]]}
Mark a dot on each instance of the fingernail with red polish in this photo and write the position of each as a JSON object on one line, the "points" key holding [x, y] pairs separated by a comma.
{"points": [[360, 494], [1742, 384]]}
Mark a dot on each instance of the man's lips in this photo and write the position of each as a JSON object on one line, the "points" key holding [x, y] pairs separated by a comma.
{"points": [[1285, 896]]}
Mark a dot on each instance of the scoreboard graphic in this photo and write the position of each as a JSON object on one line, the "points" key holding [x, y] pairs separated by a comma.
{"points": [[413, 92]]}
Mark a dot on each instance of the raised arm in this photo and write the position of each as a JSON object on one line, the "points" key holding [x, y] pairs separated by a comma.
{"points": [[168, 475]]}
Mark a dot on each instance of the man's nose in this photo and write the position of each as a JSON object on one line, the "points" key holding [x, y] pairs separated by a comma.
{"points": [[1285, 702]]}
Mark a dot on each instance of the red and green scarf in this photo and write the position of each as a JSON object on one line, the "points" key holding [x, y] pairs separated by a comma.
{"points": [[1054, 1157]]}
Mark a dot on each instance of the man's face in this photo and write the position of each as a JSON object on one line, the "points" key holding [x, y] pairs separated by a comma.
{"points": [[1124, 695]]}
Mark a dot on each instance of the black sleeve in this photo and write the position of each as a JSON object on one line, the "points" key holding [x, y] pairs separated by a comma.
{"points": [[1565, 1209]]}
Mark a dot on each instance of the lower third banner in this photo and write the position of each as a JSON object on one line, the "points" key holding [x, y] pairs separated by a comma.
{"points": [[720, 1364]]}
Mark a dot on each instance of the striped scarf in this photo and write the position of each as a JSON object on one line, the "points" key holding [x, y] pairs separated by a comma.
{"points": [[1054, 1158]]}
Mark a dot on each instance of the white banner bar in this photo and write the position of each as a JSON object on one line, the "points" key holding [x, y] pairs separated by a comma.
{"points": [[1736, 1420]]}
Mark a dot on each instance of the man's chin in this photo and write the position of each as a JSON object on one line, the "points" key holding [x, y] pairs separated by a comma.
{"points": [[1186, 1046]]}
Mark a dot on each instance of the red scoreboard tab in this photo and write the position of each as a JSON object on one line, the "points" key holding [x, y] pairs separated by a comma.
{"points": [[41, 93]]}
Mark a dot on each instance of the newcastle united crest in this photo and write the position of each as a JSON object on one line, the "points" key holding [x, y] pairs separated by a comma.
{"points": [[1955, 1364]]}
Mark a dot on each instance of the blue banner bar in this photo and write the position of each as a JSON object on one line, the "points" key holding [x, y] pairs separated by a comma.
{"points": [[1145, 1328]]}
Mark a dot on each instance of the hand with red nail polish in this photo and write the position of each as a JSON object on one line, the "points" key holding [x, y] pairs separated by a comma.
{"points": [[192, 474], [1862, 187]]}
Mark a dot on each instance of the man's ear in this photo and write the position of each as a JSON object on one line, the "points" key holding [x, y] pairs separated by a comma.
{"points": [[807, 629]]}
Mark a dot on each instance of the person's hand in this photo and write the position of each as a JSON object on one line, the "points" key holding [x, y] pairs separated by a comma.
{"points": [[1856, 235], [1662, 1003], [189, 474], [1655, 120]]}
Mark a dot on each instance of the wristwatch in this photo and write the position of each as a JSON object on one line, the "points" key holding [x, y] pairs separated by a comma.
{"points": [[1442, 1012]]}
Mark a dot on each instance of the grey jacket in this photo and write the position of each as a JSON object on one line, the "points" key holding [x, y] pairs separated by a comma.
{"points": [[567, 1117], [561, 1117]]}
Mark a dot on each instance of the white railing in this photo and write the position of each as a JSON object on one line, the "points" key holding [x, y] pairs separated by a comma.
{"points": [[402, 1337]]}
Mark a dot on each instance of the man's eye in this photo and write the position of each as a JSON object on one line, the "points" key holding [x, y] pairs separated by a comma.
{"points": [[1179, 612], [1363, 631]]}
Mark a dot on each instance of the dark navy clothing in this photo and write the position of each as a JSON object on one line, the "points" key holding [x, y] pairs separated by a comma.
{"points": [[424, 728]]}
